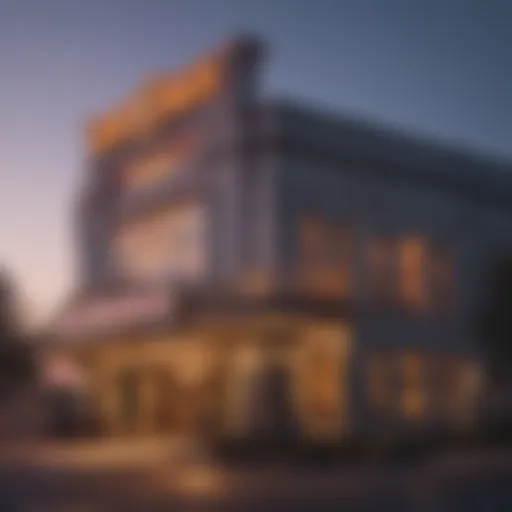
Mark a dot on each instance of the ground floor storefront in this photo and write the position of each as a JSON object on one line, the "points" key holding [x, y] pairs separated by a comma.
{"points": [[277, 370], [271, 376], [410, 390]]}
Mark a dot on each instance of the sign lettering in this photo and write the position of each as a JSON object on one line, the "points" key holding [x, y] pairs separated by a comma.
{"points": [[160, 99]]}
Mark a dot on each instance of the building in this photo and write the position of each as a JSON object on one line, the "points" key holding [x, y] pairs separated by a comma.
{"points": [[250, 266]]}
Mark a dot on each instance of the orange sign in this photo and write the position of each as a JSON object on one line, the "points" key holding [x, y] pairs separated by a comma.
{"points": [[159, 99]]}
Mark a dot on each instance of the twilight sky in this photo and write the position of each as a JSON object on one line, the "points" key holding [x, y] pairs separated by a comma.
{"points": [[442, 67]]}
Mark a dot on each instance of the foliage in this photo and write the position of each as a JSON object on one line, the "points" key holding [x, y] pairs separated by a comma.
{"points": [[17, 364]]}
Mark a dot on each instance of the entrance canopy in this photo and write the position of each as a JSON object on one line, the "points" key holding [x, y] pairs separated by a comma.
{"points": [[132, 311], [102, 314]]}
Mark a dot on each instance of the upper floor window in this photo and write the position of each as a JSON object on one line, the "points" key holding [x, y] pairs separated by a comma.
{"points": [[325, 257], [411, 270], [412, 265], [456, 388]]}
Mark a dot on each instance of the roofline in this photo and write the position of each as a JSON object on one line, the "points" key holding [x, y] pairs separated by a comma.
{"points": [[398, 134]]}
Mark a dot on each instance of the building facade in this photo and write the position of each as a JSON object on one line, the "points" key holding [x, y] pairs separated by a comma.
{"points": [[252, 267]]}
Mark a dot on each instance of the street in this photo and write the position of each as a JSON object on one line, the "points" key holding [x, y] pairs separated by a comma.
{"points": [[147, 480]]}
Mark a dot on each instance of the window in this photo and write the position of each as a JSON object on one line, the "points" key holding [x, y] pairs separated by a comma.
{"points": [[325, 257], [467, 392], [413, 397], [324, 383], [412, 272], [381, 269], [457, 390]]}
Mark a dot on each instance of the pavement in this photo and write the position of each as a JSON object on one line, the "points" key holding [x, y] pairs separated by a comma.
{"points": [[120, 453], [173, 475]]}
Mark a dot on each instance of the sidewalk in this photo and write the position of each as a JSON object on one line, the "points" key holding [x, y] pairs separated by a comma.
{"points": [[104, 454], [274, 480], [176, 472]]}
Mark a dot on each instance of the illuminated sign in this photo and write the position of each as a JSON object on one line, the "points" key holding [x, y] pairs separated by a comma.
{"points": [[120, 312], [160, 99]]}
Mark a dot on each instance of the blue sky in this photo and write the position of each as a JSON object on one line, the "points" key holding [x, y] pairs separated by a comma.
{"points": [[441, 67]]}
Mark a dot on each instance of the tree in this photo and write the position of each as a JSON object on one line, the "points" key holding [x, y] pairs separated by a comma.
{"points": [[17, 366]]}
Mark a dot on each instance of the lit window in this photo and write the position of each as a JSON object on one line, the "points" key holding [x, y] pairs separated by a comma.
{"points": [[325, 255], [413, 398], [467, 394], [457, 391], [412, 276], [323, 382]]}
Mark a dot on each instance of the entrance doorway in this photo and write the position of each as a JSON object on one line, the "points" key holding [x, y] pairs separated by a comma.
{"points": [[274, 413], [261, 405]]}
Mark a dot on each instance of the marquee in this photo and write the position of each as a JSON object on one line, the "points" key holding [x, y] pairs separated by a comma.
{"points": [[114, 313]]}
